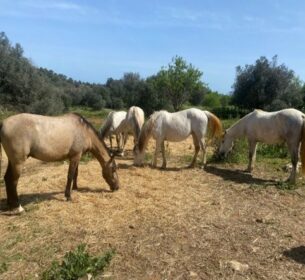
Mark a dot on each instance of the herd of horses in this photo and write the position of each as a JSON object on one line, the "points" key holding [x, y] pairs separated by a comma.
{"points": [[70, 136]]}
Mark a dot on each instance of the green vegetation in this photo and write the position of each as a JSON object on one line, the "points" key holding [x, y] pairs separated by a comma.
{"points": [[267, 85], [26, 88], [77, 264]]}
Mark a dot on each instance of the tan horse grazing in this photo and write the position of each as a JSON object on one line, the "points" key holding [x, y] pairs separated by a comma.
{"points": [[51, 139], [177, 127]]}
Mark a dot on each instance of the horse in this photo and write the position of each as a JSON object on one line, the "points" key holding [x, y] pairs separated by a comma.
{"points": [[286, 125], [110, 126], [51, 139], [133, 122], [176, 127]]}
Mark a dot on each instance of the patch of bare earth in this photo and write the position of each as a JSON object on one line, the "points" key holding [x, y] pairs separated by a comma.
{"points": [[217, 223]]}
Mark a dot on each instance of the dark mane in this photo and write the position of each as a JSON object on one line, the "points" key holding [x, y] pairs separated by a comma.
{"points": [[89, 126]]}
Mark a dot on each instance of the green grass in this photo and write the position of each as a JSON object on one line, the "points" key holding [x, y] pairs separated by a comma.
{"points": [[77, 264], [86, 158], [89, 113]]}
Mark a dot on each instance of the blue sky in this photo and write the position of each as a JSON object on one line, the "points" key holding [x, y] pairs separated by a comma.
{"points": [[94, 40]]}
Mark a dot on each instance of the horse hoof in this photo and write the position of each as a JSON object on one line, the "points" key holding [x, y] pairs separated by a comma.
{"points": [[68, 198], [17, 211]]}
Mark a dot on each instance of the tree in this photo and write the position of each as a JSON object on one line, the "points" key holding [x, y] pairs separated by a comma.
{"points": [[178, 81], [266, 85]]}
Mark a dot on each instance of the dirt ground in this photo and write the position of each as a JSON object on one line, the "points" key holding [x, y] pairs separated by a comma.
{"points": [[178, 223]]}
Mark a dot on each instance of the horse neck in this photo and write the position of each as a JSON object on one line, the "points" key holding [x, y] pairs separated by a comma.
{"points": [[98, 149], [144, 135], [237, 130]]}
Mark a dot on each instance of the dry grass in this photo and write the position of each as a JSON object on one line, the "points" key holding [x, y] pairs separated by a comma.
{"points": [[164, 224]]}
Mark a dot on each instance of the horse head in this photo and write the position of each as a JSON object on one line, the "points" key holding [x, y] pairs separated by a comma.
{"points": [[110, 174], [226, 145], [138, 156]]}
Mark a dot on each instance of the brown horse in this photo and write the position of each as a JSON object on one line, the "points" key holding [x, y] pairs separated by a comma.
{"points": [[51, 139]]}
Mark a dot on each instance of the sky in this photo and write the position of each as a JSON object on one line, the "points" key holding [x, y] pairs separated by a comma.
{"points": [[94, 40]]}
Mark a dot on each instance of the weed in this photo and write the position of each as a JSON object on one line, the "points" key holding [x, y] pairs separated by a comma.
{"points": [[3, 267], [77, 264], [86, 157], [284, 185], [148, 157]]}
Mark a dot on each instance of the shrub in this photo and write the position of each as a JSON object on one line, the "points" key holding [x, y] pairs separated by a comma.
{"points": [[77, 264]]}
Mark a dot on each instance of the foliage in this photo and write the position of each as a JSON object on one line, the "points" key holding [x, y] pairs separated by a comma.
{"points": [[266, 85], [77, 264], [26, 88], [178, 81]]}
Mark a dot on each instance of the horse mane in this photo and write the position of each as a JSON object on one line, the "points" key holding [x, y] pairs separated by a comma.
{"points": [[146, 130], [214, 125], [85, 123]]}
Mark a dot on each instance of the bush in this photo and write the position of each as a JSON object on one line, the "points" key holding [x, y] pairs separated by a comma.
{"points": [[77, 264]]}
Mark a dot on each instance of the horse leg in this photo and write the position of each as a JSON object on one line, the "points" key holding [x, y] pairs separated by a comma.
{"points": [[163, 155], [71, 172], [294, 152], [157, 150], [110, 141], [252, 155], [204, 152], [74, 186], [124, 141], [118, 140], [11, 178], [197, 149]]}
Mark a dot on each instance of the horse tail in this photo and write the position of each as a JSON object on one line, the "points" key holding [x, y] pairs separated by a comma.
{"points": [[214, 124], [106, 126], [138, 122], [302, 153]]}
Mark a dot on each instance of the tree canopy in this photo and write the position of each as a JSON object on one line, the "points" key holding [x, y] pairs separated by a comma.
{"points": [[178, 81], [26, 88], [266, 85]]}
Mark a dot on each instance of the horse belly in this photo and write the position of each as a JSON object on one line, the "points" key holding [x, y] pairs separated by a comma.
{"points": [[176, 135], [53, 149]]}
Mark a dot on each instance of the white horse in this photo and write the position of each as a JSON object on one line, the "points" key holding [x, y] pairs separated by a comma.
{"points": [[177, 127], [133, 122], [110, 127], [271, 128]]}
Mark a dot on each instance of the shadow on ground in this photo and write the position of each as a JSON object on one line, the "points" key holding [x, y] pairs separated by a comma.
{"points": [[26, 199], [237, 176], [297, 254]]}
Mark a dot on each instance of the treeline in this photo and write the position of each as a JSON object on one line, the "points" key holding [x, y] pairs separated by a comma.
{"points": [[26, 88]]}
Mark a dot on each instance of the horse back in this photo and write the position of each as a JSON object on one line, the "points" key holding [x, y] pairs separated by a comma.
{"points": [[42, 137], [275, 127]]}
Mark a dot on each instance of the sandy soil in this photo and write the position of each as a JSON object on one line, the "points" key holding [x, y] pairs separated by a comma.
{"points": [[178, 223]]}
